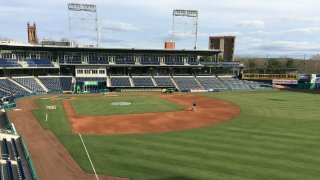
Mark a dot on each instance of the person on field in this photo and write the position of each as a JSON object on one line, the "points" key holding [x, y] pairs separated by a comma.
{"points": [[194, 106]]}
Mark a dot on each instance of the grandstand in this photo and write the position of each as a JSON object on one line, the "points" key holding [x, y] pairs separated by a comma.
{"points": [[187, 83], [54, 69], [15, 161], [57, 84], [31, 83], [211, 82], [233, 83], [120, 82], [163, 81], [143, 82], [9, 63], [39, 62]]}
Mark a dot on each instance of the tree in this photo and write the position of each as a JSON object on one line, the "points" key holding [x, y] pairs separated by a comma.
{"points": [[274, 64], [290, 64], [252, 64], [315, 57]]}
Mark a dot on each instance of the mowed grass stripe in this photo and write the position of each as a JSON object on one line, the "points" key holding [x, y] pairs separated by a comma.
{"points": [[196, 149], [217, 161], [268, 149], [276, 136]]}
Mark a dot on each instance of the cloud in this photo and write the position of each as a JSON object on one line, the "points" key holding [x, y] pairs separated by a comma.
{"points": [[119, 26], [293, 31], [235, 33], [258, 24], [288, 46], [307, 30], [313, 20]]}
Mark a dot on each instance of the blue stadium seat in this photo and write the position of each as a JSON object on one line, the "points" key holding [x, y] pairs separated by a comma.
{"points": [[15, 149], [120, 82], [187, 83], [142, 81], [9, 170], [56, 83], [234, 83], [30, 83], [39, 62], [5, 149], [164, 82], [9, 63], [211, 82], [10, 88]]}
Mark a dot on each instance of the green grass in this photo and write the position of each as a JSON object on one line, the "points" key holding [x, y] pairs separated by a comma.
{"points": [[276, 136], [100, 106]]}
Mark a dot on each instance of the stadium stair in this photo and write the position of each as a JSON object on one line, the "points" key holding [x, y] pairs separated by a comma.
{"points": [[202, 87], [41, 84], [154, 82], [23, 63], [73, 84], [108, 81], [175, 84], [55, 64], [28, 90], [131, 81], [223, 82]]}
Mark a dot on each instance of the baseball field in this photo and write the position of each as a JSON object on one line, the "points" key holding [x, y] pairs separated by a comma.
{"points": [[274, 135]]}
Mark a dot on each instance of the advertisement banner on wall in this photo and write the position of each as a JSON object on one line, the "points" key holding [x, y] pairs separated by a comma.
{"points": [[304, 77], [253, 76], [317, 80], [91, 83], [284, 81]]}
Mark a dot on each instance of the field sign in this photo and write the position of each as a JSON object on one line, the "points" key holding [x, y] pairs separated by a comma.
{"points": [[51, 107]]}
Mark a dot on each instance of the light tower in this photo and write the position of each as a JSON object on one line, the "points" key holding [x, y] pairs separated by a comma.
{"points": [[185, 22], [83, 16]]}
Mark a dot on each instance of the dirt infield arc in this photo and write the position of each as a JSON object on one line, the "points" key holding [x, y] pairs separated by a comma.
{"points": [[209, 111]]}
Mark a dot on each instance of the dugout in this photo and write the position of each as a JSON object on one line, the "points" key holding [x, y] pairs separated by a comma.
{"points": [[90, 86]]}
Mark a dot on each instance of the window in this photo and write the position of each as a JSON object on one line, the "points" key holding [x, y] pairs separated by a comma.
{"points": [[80, 71], [87, 71], [94, 71], [101, 71]]}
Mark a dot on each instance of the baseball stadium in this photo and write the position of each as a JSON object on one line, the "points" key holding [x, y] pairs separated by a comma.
{"points": [[74, 112]]}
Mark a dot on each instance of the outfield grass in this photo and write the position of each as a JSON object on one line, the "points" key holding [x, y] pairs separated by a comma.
{"points": [[100, 106], [276, 136]]}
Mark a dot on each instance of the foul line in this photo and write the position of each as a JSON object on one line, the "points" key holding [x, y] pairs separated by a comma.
{"points": [[89, 157]]}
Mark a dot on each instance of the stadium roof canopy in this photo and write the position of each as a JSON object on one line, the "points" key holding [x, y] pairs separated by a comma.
{"points": [[108, 50]]}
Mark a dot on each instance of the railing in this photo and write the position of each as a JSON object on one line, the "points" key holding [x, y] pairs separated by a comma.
{"points": [[30, 163]]}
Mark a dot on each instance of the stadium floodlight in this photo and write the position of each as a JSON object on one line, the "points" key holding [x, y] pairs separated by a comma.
{"points": [[83, 16], [188, 13], [82, 7], [189, 21]]}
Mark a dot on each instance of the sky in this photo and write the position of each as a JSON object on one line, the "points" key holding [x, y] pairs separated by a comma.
{"points": [[263, 28]]}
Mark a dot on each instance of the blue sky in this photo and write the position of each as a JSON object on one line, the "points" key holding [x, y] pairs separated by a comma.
{"points": [[263, 27]]}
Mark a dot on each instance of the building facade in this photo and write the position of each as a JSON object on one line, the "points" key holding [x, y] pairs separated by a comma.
{"points": [[226, 44]]}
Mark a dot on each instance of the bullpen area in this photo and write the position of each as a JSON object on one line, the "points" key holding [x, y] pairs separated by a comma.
{"points": [[230, 135]]}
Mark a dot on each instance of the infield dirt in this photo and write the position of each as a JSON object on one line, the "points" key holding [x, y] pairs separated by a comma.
{"points": [[209, 111]]}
